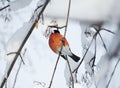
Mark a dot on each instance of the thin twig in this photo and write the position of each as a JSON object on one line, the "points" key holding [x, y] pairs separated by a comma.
{"points": [[17, 74], [94, 61], [19, 55], [69, 5], [76, 77], [72, 79], [94, 57], [56, 65], [103, 42], [62, 45], [54, 70], [4, 7], [94, 36], [112, 73], [67, 18], [95, 54], [22, 45], [99, 29], [38, 8], [18, 69], [84, 56], [107, 30]]}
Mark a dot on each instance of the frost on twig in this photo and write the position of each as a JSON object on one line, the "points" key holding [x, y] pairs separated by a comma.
{"points": [[89, 55], [100, 77]]}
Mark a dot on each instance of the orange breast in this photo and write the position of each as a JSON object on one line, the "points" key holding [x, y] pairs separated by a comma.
{"points": [[57, 41]]}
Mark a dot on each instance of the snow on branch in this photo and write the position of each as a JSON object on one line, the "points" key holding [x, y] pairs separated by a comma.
{"points": [[16, 5], [18, 40]]}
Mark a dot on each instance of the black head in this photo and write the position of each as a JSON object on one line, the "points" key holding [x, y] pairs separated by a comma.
{"points": [[56, 31]]}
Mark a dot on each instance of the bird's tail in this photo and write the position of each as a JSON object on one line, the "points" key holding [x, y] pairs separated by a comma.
{"points": [[74, 57]]}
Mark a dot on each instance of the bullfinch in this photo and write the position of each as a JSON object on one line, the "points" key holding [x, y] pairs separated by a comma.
{"points": [[58, 41]]}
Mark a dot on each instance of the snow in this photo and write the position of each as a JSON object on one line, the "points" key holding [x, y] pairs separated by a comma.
{"points": [[77, 85], [39, 58], [19, 4]]}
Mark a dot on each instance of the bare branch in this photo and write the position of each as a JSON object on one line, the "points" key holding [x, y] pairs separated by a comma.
{"points": [[62, 43], [54, 70], [84, 55], [94, 37], [104, 45], [17, 75], [99, 29], [69, 5], [19, 55], [71, 78], [4, 7], [112, 73], [108, 30], [19, 69], [94, 57]]}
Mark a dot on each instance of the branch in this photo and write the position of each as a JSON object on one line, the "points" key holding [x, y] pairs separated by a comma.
{"points": [[62, 44], [112, 73], [19, 55], [99, 29], [108, 30], [67, 18], [19, 69], [22, 45], [94, 36], [17, 74], [103, 42], [84, 55], [54, 70], [72, 79], [94, 57], [4, 7]]}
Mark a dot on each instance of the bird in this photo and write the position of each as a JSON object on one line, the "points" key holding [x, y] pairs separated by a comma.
{"points": [[58, 41]]}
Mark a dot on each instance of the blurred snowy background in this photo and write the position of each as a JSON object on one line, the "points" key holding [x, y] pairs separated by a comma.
{"points": [[40, 60]]}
